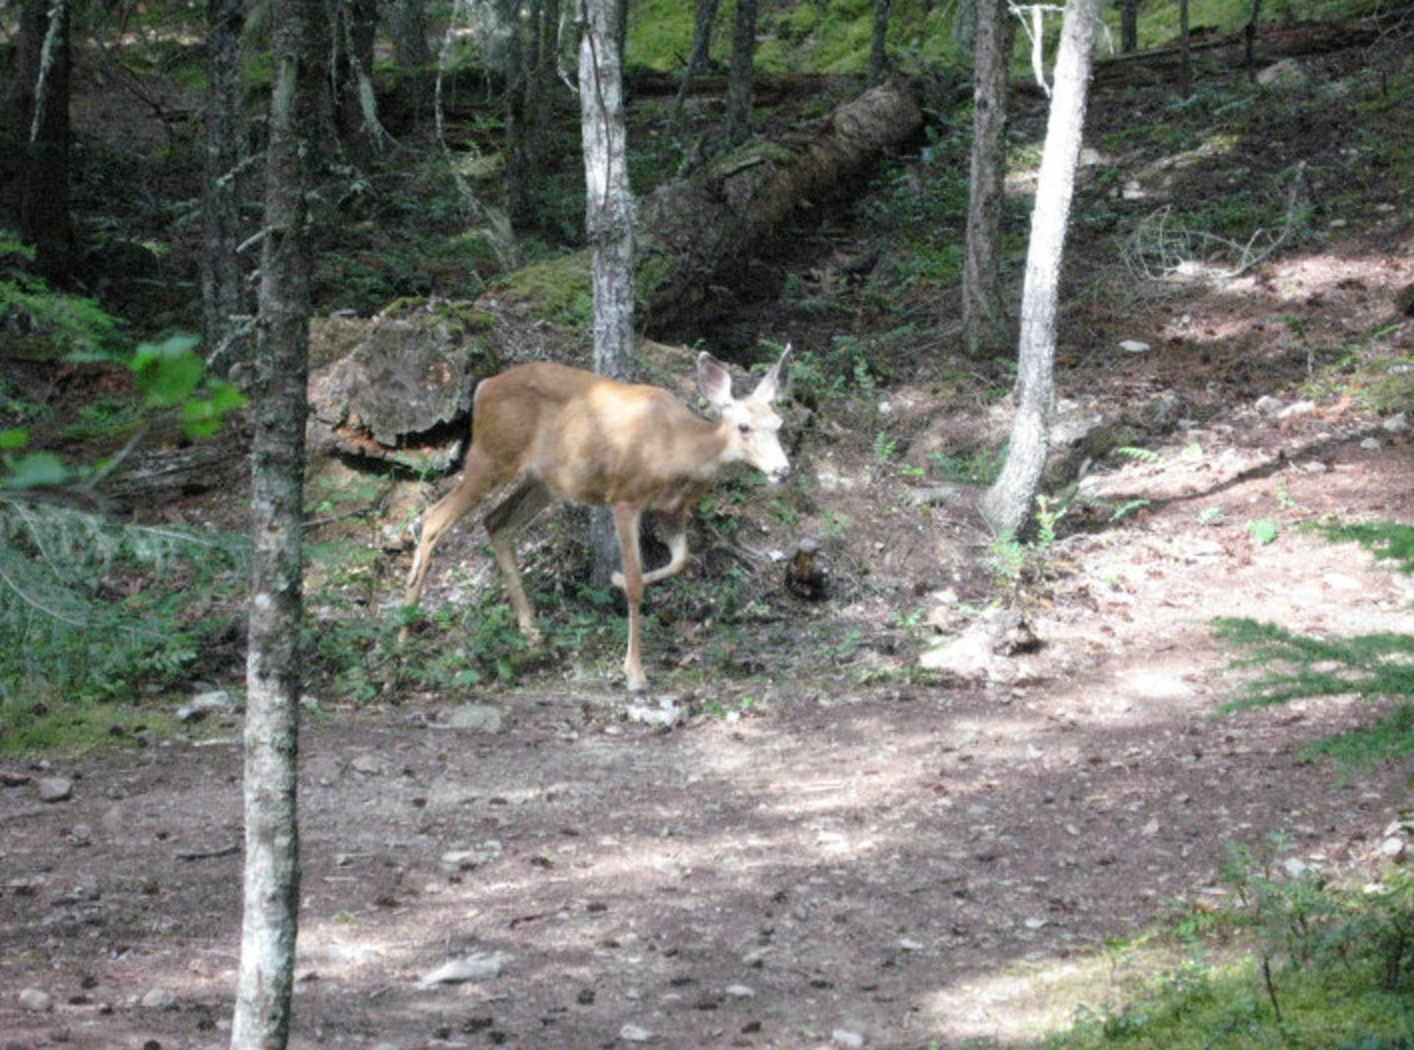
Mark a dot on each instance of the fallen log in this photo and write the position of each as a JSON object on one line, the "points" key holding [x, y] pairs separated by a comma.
{"points": [[401, 392]]}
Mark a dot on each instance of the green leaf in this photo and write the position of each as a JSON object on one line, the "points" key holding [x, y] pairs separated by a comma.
{"points": [[168, 372], [14, 438], [1263, 531], [37, 469]]}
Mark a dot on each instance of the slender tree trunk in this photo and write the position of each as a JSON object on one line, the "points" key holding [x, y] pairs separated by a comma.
{"points": [[356, 103], [517, 151], [878, 41], [1129, 25], [741, 81], [272, 874], [1249, 34], [609, 220], [1185, 49], [1007, 505], [44, 204], [964, 24], [697, 61], [223, 300], [983, 297]]}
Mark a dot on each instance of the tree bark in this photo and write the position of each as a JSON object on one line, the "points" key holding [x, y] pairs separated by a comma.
{"points": [[407, 26], [1007, 505], [272, 874], [609, 221], [742, 79], [983, 298], [1185, 49], [223, 300], [44, 204], [706, 14], [1129, 25], [878, 41]]}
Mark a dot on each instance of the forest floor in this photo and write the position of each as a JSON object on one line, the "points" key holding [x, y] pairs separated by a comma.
{"points": [[829, 848]]}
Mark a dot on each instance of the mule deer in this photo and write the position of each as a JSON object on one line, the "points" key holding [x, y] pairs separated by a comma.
{"points": [[555, 431]]}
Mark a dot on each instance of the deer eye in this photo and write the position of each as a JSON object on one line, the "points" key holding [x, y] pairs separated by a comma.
{"points": [[745, 428]]}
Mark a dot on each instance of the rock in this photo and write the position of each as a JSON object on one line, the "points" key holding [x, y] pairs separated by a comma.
{"points": [[1288, 73], [55, 789], [369, 766], [663, 712], [1395, 849], [203, 704], [1396, 424], [475, 967], [480, 718], [159, 999], [1269, 406], [632, 1033], [846, 1038], [1133, 346], [1297, 408], [35, 1001], [739, 991], [13, 778]]}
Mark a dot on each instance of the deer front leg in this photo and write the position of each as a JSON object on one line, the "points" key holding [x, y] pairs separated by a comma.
{"points": [[676, 525], [626, 522]]}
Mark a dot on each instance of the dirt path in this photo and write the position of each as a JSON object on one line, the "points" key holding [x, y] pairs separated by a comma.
{"points": [[887, 866]]}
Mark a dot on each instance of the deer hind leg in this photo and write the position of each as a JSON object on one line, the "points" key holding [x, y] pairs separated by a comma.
{"points": [[477, 479], [626, 522], [528, 500]]}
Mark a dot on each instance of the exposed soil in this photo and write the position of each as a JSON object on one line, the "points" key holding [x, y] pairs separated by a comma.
{"points": [[852, 855]]}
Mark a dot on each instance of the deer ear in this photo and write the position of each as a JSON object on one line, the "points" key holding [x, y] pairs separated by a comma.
{"points": [[713, 380], [771, 383]]}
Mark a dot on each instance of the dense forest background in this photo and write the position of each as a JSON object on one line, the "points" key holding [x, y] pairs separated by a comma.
{"points": [[1178, 703]]}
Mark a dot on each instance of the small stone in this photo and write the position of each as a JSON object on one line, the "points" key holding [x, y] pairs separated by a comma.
{"points": [[910, 945], [159, 999], [1394, 848], [476, 967], [1297, 408], [35, 1001], [81, 835], [844, 1037], [632, 1033], [480, 718], [1396, 424], [1294, 867], [369, 766], [740, 991], [55, 789], [1133, 346], [1269, 406]]}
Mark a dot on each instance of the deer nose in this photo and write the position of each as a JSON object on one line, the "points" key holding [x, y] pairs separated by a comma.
{"points": [[780, 474]]}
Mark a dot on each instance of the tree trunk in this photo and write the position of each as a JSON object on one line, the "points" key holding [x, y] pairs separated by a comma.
{"points": [[1129, 26], [407, 26], [1249, 42], [697, 61], [742, 79], [608, 219], [1007, 505], [271, 894], [1185, 49], [44, 204], [223, 300], [983, 298], [878, 41], [361, 130]]}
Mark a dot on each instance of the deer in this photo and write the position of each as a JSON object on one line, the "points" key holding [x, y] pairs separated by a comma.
{"points": [[549, 431]]}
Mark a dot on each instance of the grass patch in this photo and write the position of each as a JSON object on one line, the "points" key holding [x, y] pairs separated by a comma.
{"points": [[1386, 540]]}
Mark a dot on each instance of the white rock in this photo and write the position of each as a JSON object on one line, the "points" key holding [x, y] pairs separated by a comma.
{"points": [[632, 1033], [55, 789], [476, 967], [740, 991], [844, 1037], [1134, 346], [1269, 406], [34, 1001], [1294, 867], [1297, 408], [1396, 424], [1394, 848], [159, 999]]}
